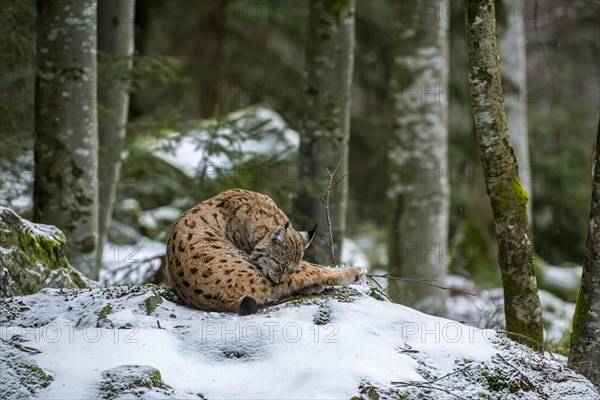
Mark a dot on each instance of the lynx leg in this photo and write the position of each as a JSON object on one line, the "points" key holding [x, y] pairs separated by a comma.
{"points": [[307, 291], [311, 278]]}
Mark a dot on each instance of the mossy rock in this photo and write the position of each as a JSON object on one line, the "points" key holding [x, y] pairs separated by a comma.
{"points": [[22, 378], [32, 257], [133, 381]]}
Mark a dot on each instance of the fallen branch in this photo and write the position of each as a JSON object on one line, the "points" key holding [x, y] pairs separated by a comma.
{"points": [[19, 346], [430, 384], [422, 281]]}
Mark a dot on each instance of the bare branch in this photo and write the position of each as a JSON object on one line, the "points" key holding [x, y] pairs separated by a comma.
{"points": [[422, 281], [430, 384], [325, 202]]}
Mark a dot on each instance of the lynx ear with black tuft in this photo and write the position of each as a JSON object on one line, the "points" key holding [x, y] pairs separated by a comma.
{"points": [[307, 236], [278, 237]]}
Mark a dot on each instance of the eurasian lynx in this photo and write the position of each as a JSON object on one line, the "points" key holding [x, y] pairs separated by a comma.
{"points": [[237, 251]]}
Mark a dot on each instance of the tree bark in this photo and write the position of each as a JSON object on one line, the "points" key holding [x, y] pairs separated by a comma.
{"points": [[66, 144], [585, 339], [326, 125], [507, 196], [513, 71], [115, 46], [419, 191]]}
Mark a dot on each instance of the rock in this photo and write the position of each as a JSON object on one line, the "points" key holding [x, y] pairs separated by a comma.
{"points": [[342, 343], [22, 377], [32, 257], [137, 381]]}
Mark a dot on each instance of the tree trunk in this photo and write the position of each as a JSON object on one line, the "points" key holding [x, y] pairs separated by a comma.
{"points": [[585, 339], [513, 70], [419, 191], [66, 144], [115, 47], [210, 56], [507, 196], [326, 125]]}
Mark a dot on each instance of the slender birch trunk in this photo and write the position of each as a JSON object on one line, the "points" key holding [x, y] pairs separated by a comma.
{"points": [[326, 125], [507, 196], [66, 129], [513, 70], [115, 46], [585, 339], [419, 192]]}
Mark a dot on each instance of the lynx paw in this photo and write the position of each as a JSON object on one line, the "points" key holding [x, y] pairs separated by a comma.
{"points": [[361, 273]]}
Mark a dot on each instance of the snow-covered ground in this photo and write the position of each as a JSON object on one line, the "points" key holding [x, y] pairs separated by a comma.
{"points": [[349, 344]]}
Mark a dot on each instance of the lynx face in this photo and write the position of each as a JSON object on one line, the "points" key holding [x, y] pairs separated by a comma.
{"points": [[279, 254]]}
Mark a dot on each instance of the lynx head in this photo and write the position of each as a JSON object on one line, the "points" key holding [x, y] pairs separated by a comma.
{"points": [[280, 251]]}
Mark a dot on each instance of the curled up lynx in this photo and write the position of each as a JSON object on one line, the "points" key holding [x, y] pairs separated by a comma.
{"points": [[238, 251]]}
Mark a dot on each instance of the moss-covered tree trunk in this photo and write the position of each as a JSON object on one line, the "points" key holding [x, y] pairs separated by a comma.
{"points": [[507, 196], [585, 339], [513, 70], [326, 125], [66, 129], [115, 52], [419, 191]]}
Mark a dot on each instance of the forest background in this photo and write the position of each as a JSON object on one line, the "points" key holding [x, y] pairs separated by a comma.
{"points": [[199, 61]]}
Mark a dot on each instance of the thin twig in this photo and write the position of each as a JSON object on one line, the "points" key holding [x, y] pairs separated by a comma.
{"points": [[422, 281], [528, 339], [380, 290], [136, 262], [19, 346], [429, 384], [325, 201]]}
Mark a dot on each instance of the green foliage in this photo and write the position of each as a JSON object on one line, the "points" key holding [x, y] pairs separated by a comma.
{"points": [[17, 37], [17, 54], [472, 256], [561, 152]]}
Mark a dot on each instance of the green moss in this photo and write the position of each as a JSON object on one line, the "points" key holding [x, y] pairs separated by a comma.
{"points": [[582, 309], [33, 257], [152, 302], [104, 312], [341, 294], [168, 294], [323, 315], [37, 375], [376, 294], [511, 196], [336, 8], [132, 381]]}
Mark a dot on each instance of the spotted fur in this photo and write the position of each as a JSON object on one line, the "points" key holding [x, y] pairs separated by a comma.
{"points": [[237, 251]]}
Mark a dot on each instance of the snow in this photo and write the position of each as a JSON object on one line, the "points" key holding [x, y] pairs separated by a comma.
{"points": [[279, 353], [192, 346], [561, 276], [352, 254], [150, 219], [130, 263], [190, 156]]}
